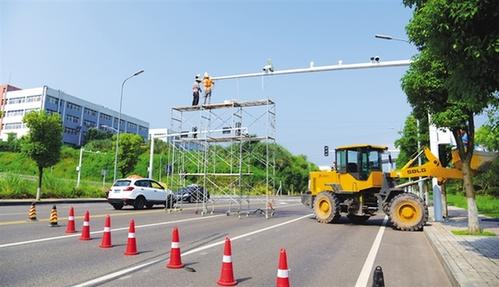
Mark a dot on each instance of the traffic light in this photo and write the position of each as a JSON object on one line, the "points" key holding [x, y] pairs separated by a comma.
{"points": [[326, 150]]}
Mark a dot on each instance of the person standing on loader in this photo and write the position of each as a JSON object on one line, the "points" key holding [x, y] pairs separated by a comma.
{"points": [[208, 86], [196, 89]]}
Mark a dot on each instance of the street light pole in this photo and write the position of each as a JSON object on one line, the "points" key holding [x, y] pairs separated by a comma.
{"points": [[119, 124]]}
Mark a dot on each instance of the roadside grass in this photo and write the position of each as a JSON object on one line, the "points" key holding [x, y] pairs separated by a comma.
{"points": [[20, 187], [466, 232], [487, 204]]}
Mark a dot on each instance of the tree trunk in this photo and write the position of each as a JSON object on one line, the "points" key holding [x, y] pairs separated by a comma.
{"points": [[473, 220], [39, 188]]}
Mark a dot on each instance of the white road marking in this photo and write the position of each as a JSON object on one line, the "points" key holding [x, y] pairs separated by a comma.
{"points": [[114, 229], [120, 273], [368, 264]]}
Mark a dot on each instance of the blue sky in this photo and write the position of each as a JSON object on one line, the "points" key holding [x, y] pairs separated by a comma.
{"points": [[87, 48]]}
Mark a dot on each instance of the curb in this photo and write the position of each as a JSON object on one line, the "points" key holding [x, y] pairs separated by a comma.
{"points": [[51, 201], [452, 278]]}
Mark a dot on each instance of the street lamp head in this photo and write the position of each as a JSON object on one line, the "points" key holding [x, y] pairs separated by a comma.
{"points": [[386, 37], [138, 73]]}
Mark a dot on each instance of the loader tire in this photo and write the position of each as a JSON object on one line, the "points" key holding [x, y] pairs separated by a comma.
{"points": [[326, 207], [408, 212]]}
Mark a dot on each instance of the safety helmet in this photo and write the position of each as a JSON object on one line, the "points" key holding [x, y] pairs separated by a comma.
{"points": [[206, 75]]}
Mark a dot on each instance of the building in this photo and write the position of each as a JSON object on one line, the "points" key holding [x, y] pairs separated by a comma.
{"points": [[78, 116]]}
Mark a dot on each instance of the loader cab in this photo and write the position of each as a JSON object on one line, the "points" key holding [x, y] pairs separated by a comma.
{"points": [[359, 160]]}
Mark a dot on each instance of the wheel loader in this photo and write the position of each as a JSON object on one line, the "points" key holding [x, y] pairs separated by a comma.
{"points": [[358, 187]]}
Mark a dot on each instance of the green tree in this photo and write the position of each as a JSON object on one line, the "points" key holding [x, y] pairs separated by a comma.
{"points": [[455, 75], [409, 138], [12, 144], [43, 142], [130, 148], [488, 134], [96, 134]]}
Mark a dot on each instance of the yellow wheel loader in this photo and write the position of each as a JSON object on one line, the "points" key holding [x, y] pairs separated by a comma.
{"points": [[357, 186]]}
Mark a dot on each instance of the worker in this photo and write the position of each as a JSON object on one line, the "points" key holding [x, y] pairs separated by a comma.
{"points": [[196, 89], [208, 86]]}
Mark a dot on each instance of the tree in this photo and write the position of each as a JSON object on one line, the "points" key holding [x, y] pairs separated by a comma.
{"points": [[409, 138], [130, 148], [96, 134], [455, 75], [488, 134], [12, 144], [43, 142]]}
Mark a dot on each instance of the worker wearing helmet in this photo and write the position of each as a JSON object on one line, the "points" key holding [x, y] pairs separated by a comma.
{"points": [[208, 86], [196, 89]]}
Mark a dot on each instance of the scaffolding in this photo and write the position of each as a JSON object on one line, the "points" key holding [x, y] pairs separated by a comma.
{"points": [[216, 146]]}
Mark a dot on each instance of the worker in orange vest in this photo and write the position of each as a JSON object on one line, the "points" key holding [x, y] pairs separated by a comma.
{"points": [[208, 86]]}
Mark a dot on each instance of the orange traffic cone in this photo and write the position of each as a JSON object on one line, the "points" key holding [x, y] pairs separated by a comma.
{"points": [[282, 270], [175, 260], [106, 238], [227, 273], [85, 231], [71, 221], [32, 212], [131, 247]]}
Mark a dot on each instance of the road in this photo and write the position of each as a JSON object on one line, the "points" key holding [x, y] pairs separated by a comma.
{"points": [[340, 254]]}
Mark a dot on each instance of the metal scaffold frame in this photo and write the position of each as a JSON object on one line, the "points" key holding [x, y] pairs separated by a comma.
{"points": [[214, 146]]}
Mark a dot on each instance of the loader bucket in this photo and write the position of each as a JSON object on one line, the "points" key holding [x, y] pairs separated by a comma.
{"points": [[481, 160]]}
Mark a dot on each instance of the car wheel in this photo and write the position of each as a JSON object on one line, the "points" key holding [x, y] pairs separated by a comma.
{"points": [[139, 202], [117, 206]]}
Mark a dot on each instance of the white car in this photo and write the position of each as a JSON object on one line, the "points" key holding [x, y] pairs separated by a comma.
{"points": [[139, 192]]}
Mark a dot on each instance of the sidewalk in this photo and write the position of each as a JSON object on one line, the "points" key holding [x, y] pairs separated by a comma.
{"points": [[50, 201], [469, 260]]}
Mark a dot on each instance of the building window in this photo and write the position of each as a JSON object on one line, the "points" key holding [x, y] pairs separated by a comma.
{"points": [[73, 119], [52, 100], [105, 117], [132, 126], [72, 106], [90, 112], [14, 113], [36, 98], [89, 124], [70, 131], [31, 110], [18, 100], [13, 126], [49, 111]]}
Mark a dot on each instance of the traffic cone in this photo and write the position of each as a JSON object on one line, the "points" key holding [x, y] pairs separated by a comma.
{"points": [[131, 247], [85, 231], [378, 279], [175, 260], [32, 212], [282, 270], [106, 238], [227, 273], [71, 221], [53, 217]]}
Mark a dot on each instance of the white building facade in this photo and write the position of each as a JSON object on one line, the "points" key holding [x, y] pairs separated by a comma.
{"points": [[78, 115]]}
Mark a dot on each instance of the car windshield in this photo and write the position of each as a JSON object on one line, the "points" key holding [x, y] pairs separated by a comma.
{"points": [[122, 183]]}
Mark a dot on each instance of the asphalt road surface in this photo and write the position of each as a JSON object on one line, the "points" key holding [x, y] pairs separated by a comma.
{"points": [[343, 254]]}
